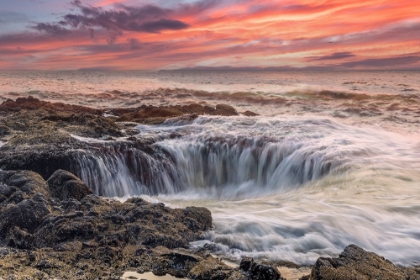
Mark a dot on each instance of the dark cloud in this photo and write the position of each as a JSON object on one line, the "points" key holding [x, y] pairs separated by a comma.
{"points": [[162, 24], [52, 29], [337, 55], [391, 62], [148, 18]]}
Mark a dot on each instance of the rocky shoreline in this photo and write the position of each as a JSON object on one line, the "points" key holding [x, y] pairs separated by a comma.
{"points": [[54, 226]]}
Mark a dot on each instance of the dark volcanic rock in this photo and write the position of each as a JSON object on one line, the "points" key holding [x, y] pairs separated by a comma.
{"points": [[40, 136], [225, 110], [156, 115], [28, 214], [65, 227], [26, 182], [250, 114], [257, 271], [28, 208], [64, 185], [356, 263], [210, 268]]}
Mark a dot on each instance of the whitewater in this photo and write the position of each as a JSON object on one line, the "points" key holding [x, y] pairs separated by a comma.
{"points": [[332, 159]]}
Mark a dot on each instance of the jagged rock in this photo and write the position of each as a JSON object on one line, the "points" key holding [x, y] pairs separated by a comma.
{"points": [[64, 185], [95, 235], [4, 131], [246, 263], [257, 271], [210, 268], [356, 263], [197, 218], [156, 115], [19, 238], [27, 214], [27, 182], [264, 272]]}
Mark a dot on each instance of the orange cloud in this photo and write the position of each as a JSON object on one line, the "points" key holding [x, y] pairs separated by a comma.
{"points": [[300, 33]]}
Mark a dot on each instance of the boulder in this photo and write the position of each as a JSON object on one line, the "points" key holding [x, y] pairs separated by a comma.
{"points": [[356, 263], [28, 214], [210, 268], [258, 271], [225, 110], [30, 183], [197, 218], [250, 114], [64, 185]]}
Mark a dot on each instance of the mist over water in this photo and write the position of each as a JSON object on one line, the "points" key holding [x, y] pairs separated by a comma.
{"points": [[297, 188], [333, 159]]}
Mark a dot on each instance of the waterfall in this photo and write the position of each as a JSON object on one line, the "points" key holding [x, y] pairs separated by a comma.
{"points": [[227, 157], [228, 167]]}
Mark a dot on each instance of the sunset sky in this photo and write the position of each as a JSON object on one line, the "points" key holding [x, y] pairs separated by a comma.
{"points": [[277, 34]]}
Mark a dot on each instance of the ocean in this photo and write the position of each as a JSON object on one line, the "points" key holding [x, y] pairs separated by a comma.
{"points": [[332, 159]]}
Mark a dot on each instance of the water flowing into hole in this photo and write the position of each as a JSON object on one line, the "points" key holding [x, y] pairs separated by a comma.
{"points": [[289, 188]]}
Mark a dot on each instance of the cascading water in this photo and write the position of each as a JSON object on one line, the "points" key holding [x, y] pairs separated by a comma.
{"points": [[290, 188], [321, 175], [121, 170], [210, 162]]}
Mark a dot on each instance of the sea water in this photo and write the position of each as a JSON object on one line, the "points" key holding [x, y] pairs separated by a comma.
{"points": [[332, 159]]}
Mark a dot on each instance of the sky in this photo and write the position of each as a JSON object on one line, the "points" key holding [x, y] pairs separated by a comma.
{"points": [[203, 34]]}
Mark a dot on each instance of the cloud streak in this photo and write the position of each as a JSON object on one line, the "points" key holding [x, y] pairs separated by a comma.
{"points": [[334, 56], [275, 34], [148, 19], [384, 62]]}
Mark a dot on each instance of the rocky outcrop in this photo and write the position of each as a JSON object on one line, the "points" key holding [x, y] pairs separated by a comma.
{"points": [[64, 210], [38, 135], [64, 185], [61, 223], [59, 229], [356, 263], [257, 271], [157, 115]]}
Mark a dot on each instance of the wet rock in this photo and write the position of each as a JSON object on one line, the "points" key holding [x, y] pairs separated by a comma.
{"points": [[27, 214], [197, 218], [264, 272], [257, 271], [246, 263], [64, 185], [32, 103], [180, 263], [156, 115], [93, 236], [250, 114], [19, 238], [210, 268], [356, 263], [4, 131], [225, 110], [27, 182]]}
